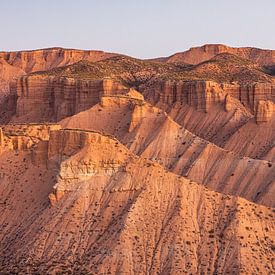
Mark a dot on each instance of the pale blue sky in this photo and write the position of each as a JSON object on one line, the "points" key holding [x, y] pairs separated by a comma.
{"points": [[141, 28]]}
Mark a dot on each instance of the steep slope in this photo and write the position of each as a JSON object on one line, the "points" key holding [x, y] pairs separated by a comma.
{"points": [[51, 99], [217, 100], [144, 219], [112, 166], [235, 130], [7, 102], [199, 54], [150, 132], [61, 92], [15, 64], [216, 112], [79, 82]]}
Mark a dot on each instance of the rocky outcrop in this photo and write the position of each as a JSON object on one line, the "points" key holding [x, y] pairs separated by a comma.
{"points": [[8, 74], [1, 140], [198, 94], [39, 131], [148, 131], [45, 59], [15, 64], [228, 103], [25, 136], [140, 219], [50, 99], [265, 111], [121, 97], [137, 115], [203, 94], [250, 95], [72, 153], [199, 54]]}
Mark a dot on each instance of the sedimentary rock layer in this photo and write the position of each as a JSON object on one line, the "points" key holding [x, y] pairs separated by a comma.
{"points": [[203, 94], [150, 132], [49, 99], [111, 211]]}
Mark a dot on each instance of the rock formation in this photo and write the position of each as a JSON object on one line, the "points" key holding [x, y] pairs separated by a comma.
{"points": [[111, 164], [15, 64], [199, 54], [45, 59], [150, 132], [103, 180], [228, 103], [202, 94], [24, 136], [50, 99], [265, 110], [198, 94]]}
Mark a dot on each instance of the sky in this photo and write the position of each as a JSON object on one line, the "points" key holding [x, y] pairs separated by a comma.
{"points": [[140, 28]]}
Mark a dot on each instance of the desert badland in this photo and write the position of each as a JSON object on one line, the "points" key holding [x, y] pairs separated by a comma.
{"points": [[115, 165]]}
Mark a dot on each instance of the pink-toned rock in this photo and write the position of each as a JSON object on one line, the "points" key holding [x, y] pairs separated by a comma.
{"points": [[265, 111]]}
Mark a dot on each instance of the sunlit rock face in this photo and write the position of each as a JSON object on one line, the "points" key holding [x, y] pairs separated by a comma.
{"points": [[46, 99], [112, 165]]}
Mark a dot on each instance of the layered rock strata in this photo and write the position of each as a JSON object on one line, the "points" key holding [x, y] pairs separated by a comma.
{"points": [[203, 94], [148, 131], [125, 214], [49, 99]]}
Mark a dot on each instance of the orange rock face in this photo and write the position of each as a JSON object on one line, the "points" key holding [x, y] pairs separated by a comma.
{"points": [[114, 165], [265, 111], [44, 99], [199, 54], [45, 59]]}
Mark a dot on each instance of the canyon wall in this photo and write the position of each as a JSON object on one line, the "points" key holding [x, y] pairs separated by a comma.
{"points": [[198, 94], [112, 211], [25, 136], [265, 111], [13, 65], [51, 98], [74, 156], [203, 94], [42, 98]]}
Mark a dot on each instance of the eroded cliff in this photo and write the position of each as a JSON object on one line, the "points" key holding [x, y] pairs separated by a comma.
{"points": [[50, 99], [103, 212]]}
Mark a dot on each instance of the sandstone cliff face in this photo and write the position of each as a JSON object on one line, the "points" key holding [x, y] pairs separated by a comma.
{"points": [[52, 99], [45, 59], [1, 140], [250, 95], [199, 54], [264, 111], [81, 167], [203, 94], [25, 136], [198, 94], [151, 133], [8, 73], [97, 217], [15, 64]]}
